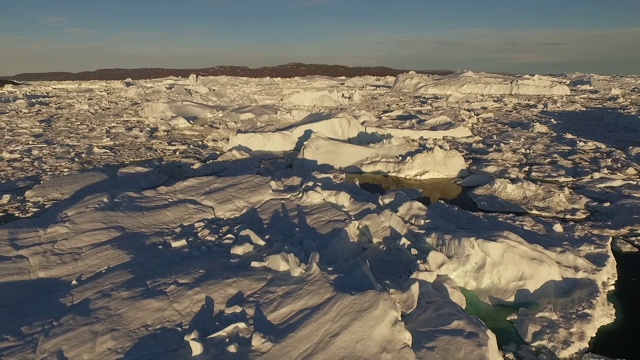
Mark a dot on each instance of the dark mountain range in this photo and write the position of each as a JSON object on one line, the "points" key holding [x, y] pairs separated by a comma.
{"points": [[282, 71]]}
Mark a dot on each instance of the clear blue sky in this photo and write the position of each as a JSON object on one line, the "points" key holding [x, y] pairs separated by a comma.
{"points": [[491, 35]]}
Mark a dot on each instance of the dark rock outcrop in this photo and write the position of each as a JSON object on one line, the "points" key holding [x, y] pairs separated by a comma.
{"points": [[4, 82]]}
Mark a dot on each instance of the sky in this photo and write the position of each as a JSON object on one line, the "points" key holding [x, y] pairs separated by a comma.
{"points": [[533, 36]]}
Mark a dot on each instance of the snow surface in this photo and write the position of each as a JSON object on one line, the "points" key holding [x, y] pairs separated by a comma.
{"points": [[212, 216]]}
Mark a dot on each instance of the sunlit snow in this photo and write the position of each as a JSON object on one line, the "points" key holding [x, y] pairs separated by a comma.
{"points": [[218, 217]]}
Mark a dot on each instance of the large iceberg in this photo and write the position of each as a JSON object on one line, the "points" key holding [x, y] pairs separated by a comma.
{"points": [[483, 84]]}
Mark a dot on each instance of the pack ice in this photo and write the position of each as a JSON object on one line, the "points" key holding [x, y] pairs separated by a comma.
{"points": [[212, 217]]}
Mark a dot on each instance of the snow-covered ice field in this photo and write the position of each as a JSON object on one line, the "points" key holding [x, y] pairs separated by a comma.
{"points": [[217, 217]]}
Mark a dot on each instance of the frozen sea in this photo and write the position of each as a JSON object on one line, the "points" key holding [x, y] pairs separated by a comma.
{"points": [[467, 216]]}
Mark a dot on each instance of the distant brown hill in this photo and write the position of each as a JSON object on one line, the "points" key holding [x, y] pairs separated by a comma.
{"points": [[282, 71]]}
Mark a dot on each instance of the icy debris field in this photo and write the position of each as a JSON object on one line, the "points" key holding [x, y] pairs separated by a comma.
{"points": [[219, 217]]}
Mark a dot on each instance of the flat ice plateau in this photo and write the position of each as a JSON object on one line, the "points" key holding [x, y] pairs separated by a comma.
{"points": [[213, 217]]}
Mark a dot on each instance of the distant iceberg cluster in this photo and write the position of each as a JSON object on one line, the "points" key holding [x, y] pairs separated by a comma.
{"points": [[469, 82]]}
